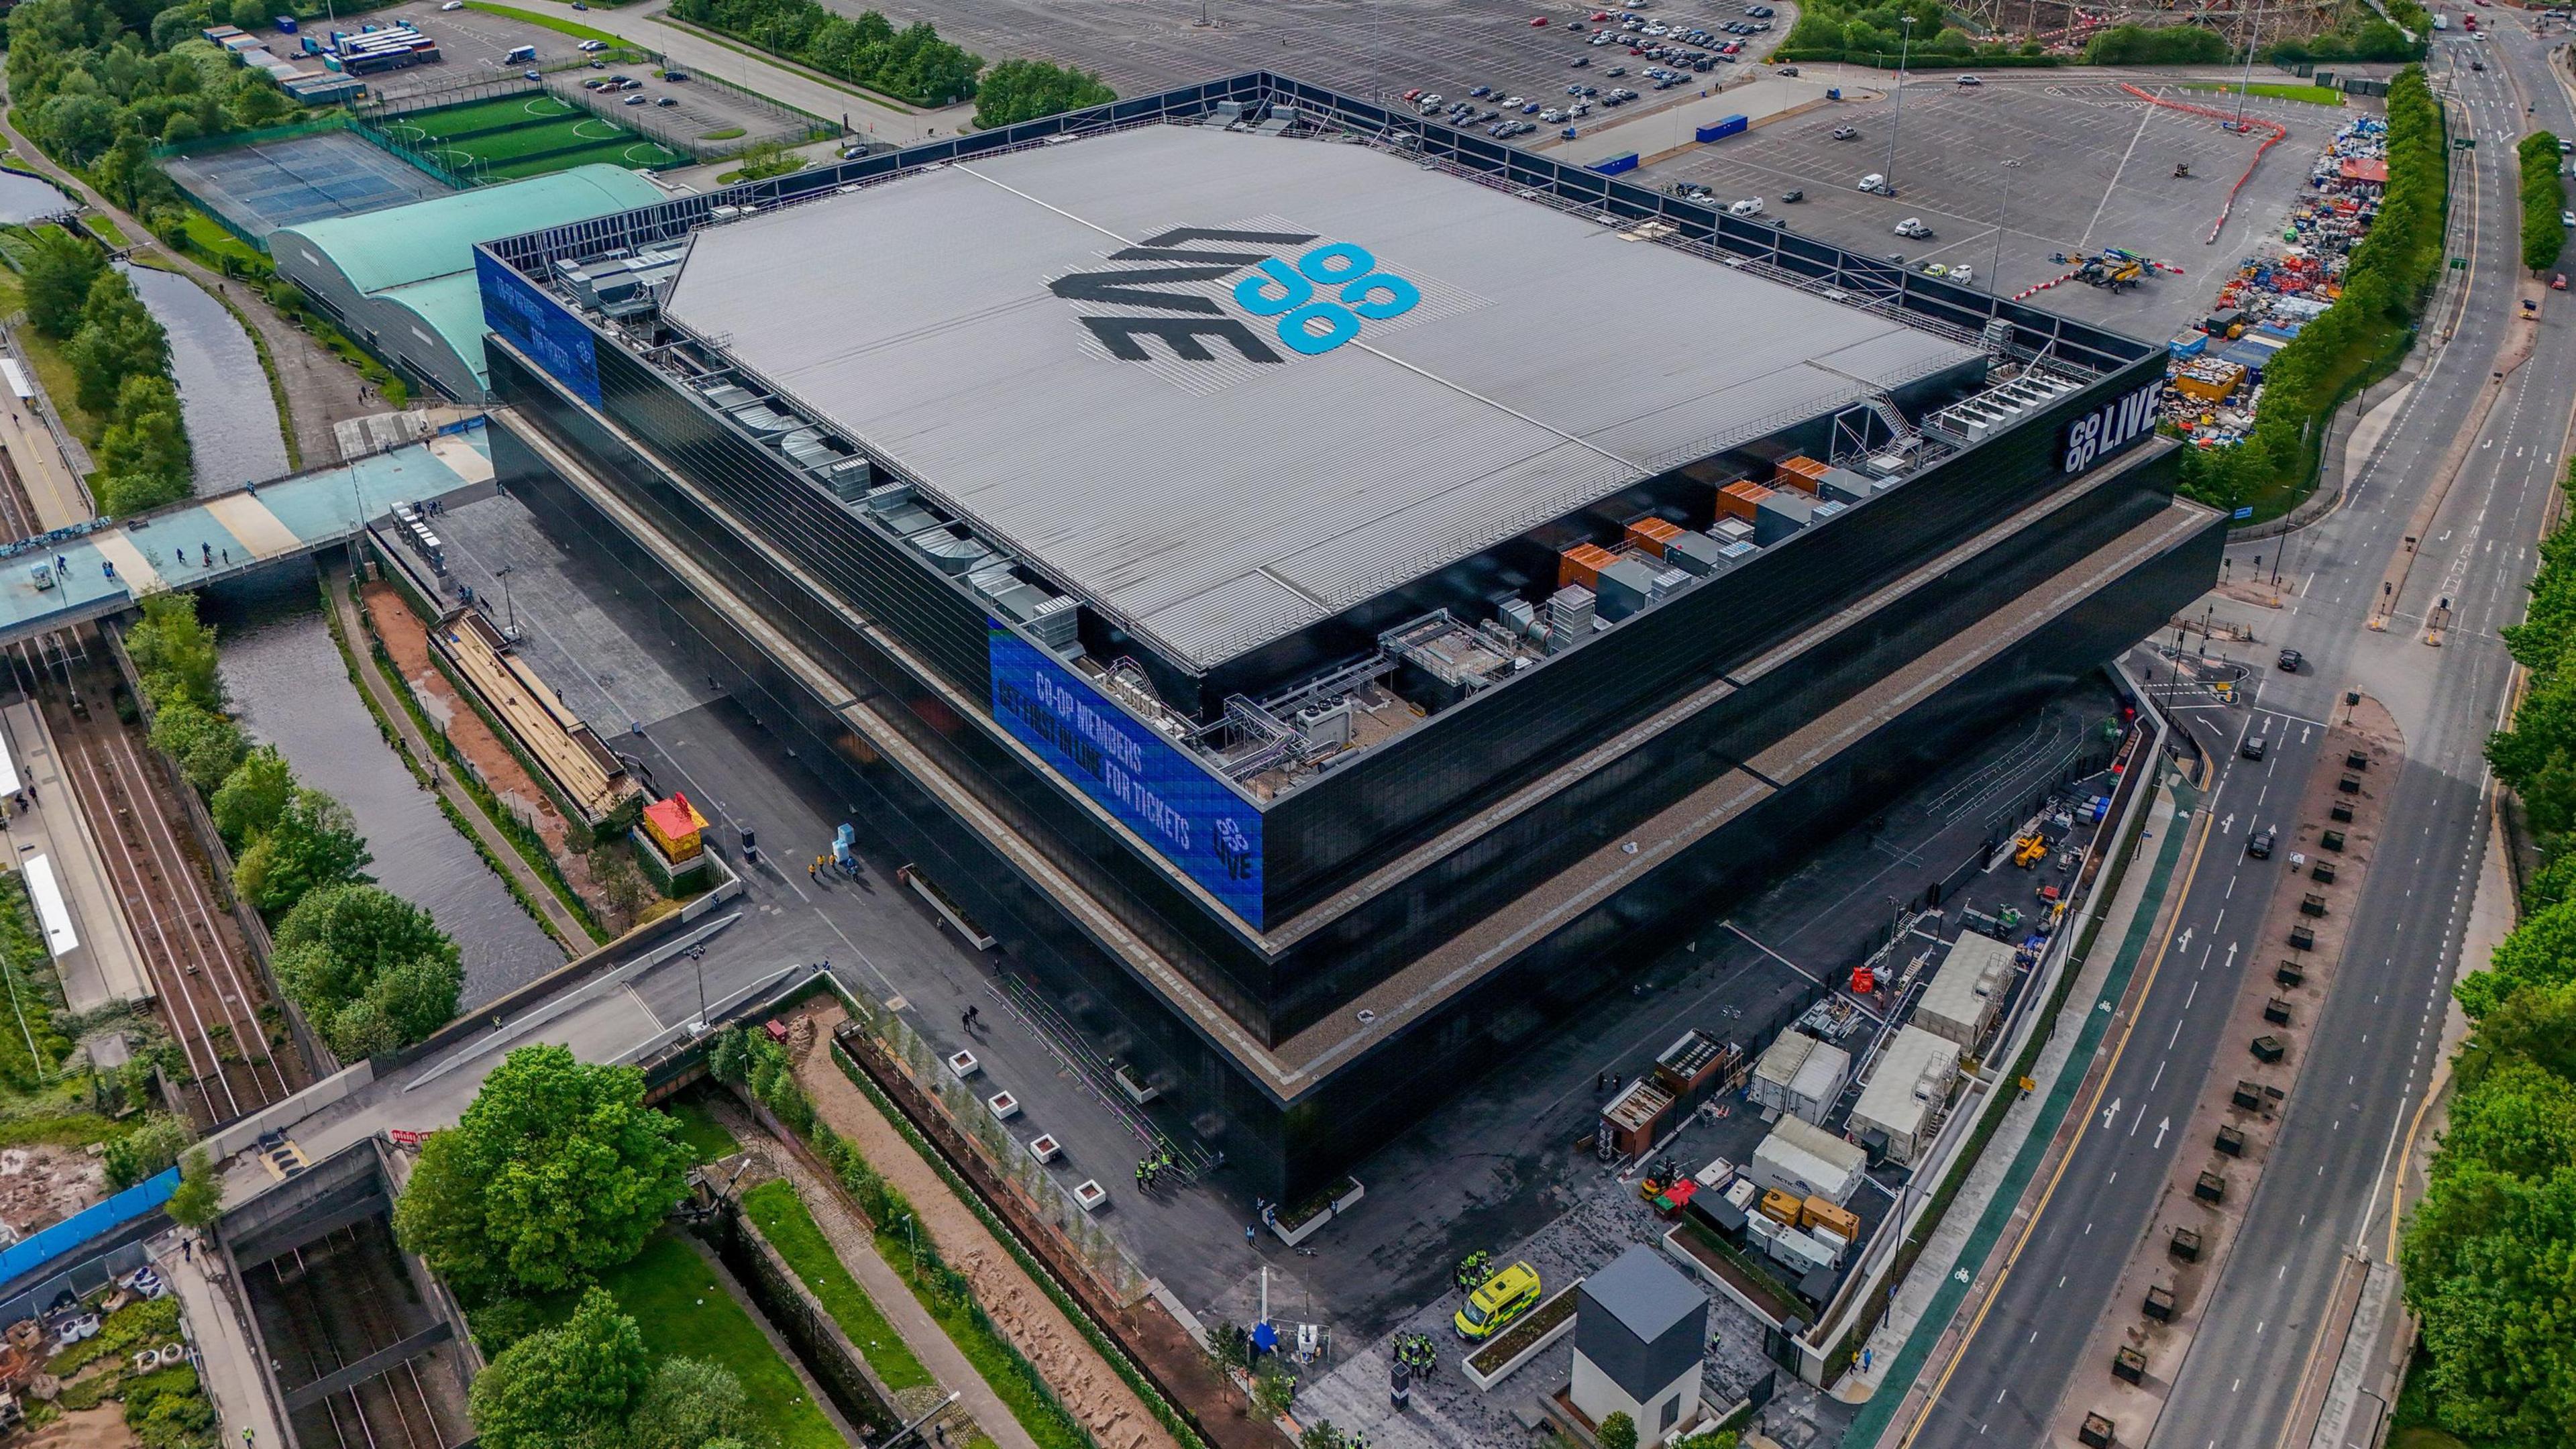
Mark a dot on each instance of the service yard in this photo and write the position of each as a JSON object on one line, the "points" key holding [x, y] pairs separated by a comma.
{"points": [[2094, 170], [473, 42], [1357, 47]]}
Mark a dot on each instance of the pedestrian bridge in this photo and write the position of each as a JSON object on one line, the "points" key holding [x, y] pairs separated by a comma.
{"points": [[96, 570]]}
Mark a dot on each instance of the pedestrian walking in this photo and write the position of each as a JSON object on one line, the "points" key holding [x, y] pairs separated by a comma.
{"points": [[812, 869], [1249, 1237]]}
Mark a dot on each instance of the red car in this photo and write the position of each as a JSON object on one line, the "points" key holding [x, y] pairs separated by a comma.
{"points": [[1600, 15], [1538, 20], [1413, 95]]}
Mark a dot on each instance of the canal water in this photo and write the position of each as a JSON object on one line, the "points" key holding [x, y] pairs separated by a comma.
{"points": [[24, 198], [290, 689], [223, 392]]}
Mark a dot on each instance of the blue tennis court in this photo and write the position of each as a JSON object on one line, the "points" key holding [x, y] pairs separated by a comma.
{"points": [[261, 188]]}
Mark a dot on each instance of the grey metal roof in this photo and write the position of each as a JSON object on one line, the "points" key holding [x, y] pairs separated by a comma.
{"points": [[1216, 506], [1645, 1292]]}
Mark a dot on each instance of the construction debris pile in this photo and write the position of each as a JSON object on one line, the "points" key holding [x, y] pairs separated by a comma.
{"points": [[2215, 379]]}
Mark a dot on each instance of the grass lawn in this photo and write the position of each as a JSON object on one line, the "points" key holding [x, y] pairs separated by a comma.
{"points": [[2276, 90], [706, 1136], [106, 227], [208, 239], [781, 1217], [681, 1308], [544, 21], [721, 133], [2425, 1439], [994, 1360]]}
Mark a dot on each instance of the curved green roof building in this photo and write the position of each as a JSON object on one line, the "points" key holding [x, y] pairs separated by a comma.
{"points": [[401, 280]]}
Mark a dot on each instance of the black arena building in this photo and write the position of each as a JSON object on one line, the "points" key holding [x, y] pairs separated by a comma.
{"points": [[1330, 593]]}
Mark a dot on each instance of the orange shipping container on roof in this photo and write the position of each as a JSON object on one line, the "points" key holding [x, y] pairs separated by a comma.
{"points": [[675, 825], [1651, 534], [1582, 564], [1738, 500], [1802, 474]]}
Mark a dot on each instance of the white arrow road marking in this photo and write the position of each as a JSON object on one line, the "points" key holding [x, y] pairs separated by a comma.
{"points": [[2110, 1112], [2160, 1130]]}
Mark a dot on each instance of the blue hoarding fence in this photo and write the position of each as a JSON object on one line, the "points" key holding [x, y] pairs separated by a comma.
{"points": [[92, 1222], [1189, 816], [1723, 127], [539, 326], [1613, 165]]}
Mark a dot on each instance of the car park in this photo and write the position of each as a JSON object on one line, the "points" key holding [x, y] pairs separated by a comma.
{"points": [[1846, 133], [1912, 229], [639, 100]]}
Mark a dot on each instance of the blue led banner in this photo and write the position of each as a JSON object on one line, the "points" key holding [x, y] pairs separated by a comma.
{"points": [[1187, 814], [539, 326]]}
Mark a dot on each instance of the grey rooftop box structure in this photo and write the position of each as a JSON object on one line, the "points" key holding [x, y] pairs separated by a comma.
{"points": [[1639, 1330]]}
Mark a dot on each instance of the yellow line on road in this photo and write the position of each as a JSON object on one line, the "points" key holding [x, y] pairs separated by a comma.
{"points": [[2083, 1125]]}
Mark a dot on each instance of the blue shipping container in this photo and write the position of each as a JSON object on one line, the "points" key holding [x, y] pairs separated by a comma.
{"points": [[2189, 344], [1724, 127], [1612, 166]]}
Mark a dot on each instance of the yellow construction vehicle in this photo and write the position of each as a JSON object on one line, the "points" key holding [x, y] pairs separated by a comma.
{"points": [[2031, 850]]}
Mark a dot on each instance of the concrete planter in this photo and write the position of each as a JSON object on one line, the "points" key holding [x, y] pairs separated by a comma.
{"points": [[1486, 1377]]}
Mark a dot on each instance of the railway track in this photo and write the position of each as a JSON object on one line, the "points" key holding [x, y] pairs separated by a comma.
{"points": [[336, 1317], [206, 992]]}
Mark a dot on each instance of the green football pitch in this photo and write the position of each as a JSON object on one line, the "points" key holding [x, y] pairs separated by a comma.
{"points": [[521, 136]]}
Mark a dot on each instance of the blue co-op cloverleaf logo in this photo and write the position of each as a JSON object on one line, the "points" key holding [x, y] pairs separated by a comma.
{"points": [[1314, 302]]}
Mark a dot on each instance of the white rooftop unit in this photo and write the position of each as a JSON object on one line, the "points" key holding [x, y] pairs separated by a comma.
{"points": [[1819, 1083], [1961, 1003], [1905, 1094], [1778, 1067], [1801, 1158]]}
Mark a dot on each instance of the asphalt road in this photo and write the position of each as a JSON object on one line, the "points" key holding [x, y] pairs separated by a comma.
{"points": [[2324, 1189]]}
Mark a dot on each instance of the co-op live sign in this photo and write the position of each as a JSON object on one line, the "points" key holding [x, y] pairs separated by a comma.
{"points": [[1293, 289], [2111, 427], [1186, 814]]}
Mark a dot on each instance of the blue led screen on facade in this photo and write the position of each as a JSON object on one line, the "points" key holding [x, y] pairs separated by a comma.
{"points": [[539, 327], [1188, 815]]}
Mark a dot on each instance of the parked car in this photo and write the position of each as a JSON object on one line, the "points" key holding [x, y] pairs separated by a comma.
{"points": [[1963, 273], [1845, 133], [639, 100], [1794, 193], [1912, 229], [667, 101], [1969, 80]]}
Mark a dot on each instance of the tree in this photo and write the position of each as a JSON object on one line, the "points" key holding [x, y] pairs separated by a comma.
{"points": [[207, 746], [81, 126], [1021, 90], [117, 339], [1322, 1435], [314, 843], [247, 14], [200, 1198], [60, 269], [2539, 952], [1274, 1389], [175, 653], [557, 1172], [560, 1387], [145, 448], [154, 1144], [1708, 1439], [176, 24], [251, 798], [690, 1404], [371, 967], [1618, 1431], [258, 102]]}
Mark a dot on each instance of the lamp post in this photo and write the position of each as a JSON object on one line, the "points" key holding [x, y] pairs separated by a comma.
{"points": [[1994, 264], [503, 574], [1896, 121], [2246, 86]]}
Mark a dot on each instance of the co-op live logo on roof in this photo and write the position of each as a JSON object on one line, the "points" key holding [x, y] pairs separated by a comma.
{"points": [[1192, 286]]}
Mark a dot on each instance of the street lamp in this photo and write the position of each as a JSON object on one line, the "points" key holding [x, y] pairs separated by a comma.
{"points": [[1904, 52], [2245, 87], [503, 574], [2003, 214]]}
